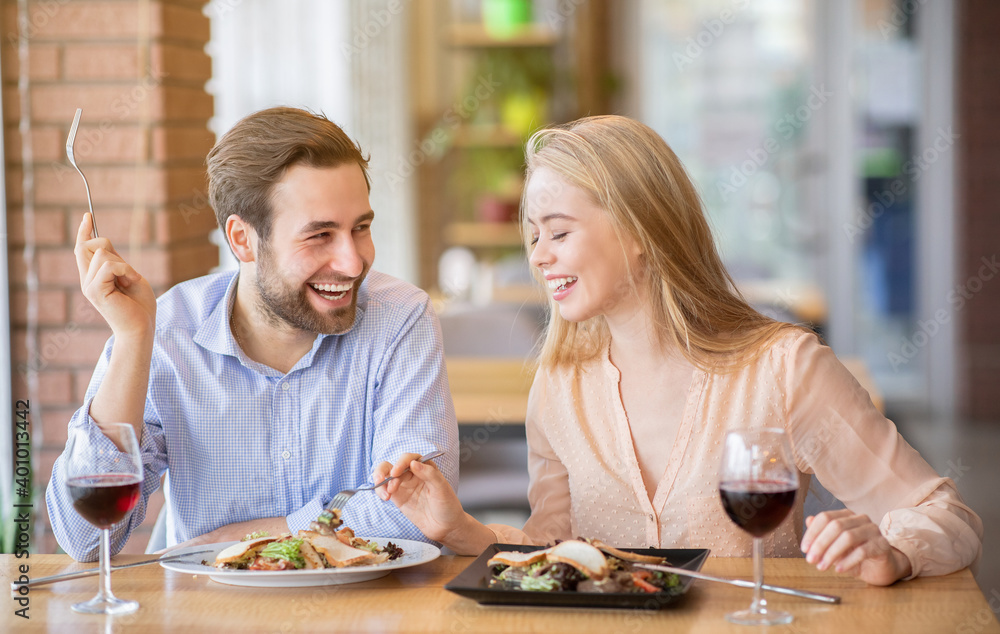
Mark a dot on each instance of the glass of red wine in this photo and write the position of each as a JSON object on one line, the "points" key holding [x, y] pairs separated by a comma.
{"points": [[103, 479], [757, 483]]}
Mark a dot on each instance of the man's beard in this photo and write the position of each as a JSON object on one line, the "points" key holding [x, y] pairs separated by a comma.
{"points": [[283, 304]]}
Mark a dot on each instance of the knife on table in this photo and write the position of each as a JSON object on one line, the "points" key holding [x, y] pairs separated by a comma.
{"points": [[805, 594], [93, 571]]}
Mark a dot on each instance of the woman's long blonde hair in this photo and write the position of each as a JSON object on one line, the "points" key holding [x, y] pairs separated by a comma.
{"points": [[634, 175]]}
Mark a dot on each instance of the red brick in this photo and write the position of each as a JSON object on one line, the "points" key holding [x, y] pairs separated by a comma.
{"points": [[86, 20], [164, 268], [187, 221], [57, 266], [48, 143], [11, 105], [110, 185], [182, 104], [82, 312], [81, 380], [181, 63], [50, 389], [19, 348], [182, 23], [55, 422], [106, 141], [43, 62], [129, 102], [125, 226], [71, 346], [183, 184], [17, 268], [49, 227], [99, 61], [173, 143], [51, 307], [15, 185]]}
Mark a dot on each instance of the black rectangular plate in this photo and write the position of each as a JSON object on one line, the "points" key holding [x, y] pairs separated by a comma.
{"points": [[474, 583]]}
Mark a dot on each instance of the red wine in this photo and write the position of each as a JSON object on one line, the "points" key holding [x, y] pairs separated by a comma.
{"points": [[757, 507], [104, 499]]}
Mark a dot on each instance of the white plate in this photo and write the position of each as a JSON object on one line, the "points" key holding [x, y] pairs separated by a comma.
{"points": [[414, 554]]}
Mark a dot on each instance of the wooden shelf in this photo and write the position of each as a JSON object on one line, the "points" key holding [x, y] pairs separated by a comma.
{"points": [[483, 235], [474, 35]]}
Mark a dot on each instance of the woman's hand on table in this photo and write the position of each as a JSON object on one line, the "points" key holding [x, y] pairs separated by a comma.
{"points": [[850, 542], [427, 500]]}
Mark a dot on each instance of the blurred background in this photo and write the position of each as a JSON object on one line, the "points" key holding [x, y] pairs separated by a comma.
{"points": [[844, 149]]}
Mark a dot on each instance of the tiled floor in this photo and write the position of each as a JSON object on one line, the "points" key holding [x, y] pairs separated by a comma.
{"points": [[967, 453]]}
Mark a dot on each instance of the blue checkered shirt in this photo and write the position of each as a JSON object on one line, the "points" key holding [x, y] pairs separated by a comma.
{"points": [[241, 441]]}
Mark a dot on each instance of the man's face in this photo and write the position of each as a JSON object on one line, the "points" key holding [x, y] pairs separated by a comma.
{"points": [[320, 249]]}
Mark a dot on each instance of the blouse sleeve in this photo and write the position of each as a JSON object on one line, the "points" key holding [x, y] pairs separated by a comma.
{"points": [[857, 454], [548, 488]]}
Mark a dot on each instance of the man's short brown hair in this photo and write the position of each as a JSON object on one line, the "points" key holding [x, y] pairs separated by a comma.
{"points": [[250, 158]]}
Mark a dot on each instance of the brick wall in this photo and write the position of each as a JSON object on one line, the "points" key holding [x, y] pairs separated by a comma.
{"points": [[978, 105], [138, 69]]}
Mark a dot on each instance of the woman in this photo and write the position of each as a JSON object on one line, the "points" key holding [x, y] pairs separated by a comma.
{"points": [[650, 357]]}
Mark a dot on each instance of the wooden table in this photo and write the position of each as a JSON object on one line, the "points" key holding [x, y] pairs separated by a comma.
{"points": [[413, 600]]}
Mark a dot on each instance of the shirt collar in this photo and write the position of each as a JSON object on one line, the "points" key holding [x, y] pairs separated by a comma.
{"points": [[216, 336]]}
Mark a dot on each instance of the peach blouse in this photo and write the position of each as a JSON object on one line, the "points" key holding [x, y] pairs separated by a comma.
{"points": [[585, 478]]}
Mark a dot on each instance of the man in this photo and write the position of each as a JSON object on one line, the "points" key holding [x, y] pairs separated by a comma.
{"points": [[263, 392]]}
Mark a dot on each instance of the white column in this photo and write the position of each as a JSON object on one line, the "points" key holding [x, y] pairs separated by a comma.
{"points": [[935, 213], [377, 53], [840, 196]]}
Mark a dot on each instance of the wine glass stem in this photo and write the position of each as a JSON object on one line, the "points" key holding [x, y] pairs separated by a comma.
{"points": [[759, 602], [104, 590]]}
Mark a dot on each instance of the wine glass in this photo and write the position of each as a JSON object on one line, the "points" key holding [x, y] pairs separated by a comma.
{"points": [[103, 475], [757, 483]]}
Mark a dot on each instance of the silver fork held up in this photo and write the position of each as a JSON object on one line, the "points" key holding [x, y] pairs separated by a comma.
{"points": [[70, 142]]}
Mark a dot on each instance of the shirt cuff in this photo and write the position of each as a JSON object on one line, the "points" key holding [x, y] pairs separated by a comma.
{"points": [[908, 548], [300, 519]]}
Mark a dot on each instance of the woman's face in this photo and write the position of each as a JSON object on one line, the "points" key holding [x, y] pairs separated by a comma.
{"points": [[575, 247]]}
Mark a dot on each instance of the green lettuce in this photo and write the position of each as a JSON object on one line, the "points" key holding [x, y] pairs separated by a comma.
{"points": [[287, 550]]}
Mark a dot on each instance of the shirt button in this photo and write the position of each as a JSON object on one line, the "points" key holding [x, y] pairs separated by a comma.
{"points": [[285, 386], [285, 454], [650, 517]]}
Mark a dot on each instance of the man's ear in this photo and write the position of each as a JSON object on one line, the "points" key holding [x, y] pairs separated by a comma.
{"points": [[242, 238]]}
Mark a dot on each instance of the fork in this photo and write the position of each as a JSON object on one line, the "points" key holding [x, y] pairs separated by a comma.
{"points": [[70, 142], [341, 498]]}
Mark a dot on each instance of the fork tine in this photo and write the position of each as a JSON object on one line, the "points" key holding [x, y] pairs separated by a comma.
{"points": [[338, 501], [70, 144]]}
